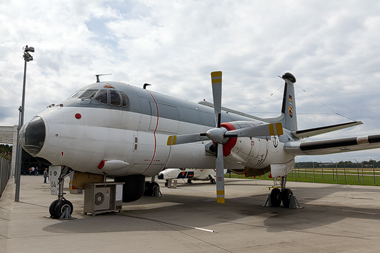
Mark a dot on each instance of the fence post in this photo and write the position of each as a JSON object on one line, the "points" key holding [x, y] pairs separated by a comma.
{"points": [[345, 172], [1, 176], [374, 176], [322, 170], [362, 175]]}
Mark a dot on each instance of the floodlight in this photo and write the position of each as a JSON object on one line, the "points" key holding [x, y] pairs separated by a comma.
{"points": [[29, 49]]}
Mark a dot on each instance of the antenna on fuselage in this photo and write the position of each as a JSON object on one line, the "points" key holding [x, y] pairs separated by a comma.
{"points": [[146, 84], [97, 76]]}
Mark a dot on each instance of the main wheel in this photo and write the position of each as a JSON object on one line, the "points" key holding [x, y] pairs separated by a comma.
{"points": [[275, 197], [212, 181], [61, 207], [150, 188], [189, 181], [52, 208], [286, 197]]}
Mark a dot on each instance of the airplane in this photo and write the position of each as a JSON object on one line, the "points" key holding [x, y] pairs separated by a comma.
{"points": [[129, 133], [190, 174]]}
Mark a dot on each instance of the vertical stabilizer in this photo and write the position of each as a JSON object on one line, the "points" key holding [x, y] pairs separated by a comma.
{"points": [[289, 120]]}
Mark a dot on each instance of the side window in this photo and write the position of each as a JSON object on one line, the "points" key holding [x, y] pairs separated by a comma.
{"points": [[102, 96], [115, 98], [125, 99]]}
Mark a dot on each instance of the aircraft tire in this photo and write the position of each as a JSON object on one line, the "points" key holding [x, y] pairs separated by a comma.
{"points": [[150, 188], [275, 197], [166, 183], [52, 208], [286, 196], [60, 208], [189, 181], [213, 181]]}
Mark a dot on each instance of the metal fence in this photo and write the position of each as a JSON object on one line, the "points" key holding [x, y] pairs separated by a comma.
{"points": [[5, 173], [361, 175]]}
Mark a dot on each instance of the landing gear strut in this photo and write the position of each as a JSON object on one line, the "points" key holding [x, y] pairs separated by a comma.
{"points": [[282, 194], [61, 208]]}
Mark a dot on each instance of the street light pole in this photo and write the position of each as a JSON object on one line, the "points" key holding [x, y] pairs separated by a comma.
{"points": [[27, 58]]}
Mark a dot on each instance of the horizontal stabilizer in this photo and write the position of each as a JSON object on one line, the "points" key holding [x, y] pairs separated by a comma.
{"points": [[322, 130], [333, 146]]}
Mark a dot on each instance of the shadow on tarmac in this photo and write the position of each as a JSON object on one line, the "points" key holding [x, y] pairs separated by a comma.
{"points": [[183, 212]]}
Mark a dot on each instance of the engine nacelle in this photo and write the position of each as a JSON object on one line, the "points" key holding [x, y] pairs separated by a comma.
{"points": [[256, 153], [250, 152]]}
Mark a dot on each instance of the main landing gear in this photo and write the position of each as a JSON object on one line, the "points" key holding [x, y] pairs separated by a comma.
{"points": [[152, 188], [61, 208], [282, 194]]}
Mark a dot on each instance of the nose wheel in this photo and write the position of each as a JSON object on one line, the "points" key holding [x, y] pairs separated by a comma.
{"points": [[61, 209]]}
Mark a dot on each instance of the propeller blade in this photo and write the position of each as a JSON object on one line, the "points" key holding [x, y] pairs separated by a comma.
{"points": [[216, 81], [186, 138], [219, 174], [262, 130]]}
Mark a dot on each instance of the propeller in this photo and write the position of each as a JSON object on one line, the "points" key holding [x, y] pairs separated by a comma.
{"points": [[219, 134]]}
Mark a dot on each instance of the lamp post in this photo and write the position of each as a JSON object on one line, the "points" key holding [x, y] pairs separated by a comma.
{"points": [[27, 58]]}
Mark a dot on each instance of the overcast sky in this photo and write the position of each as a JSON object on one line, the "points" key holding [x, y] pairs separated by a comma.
{"points": [[332, 48]]}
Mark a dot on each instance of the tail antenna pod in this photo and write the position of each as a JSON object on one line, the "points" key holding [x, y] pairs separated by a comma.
{"points": [[288, 76]]}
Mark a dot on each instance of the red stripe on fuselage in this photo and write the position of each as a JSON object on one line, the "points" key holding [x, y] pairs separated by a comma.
{"points": [[154, 134]]}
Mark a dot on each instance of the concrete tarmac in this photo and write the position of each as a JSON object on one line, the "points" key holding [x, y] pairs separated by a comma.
{"points": [[334, 218]]}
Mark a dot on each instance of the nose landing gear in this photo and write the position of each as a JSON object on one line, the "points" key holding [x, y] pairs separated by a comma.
{"points": [[61, 208]]}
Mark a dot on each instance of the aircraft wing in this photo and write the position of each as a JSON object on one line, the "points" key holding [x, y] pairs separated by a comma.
{"points": [[332, 146], [321, 130]]}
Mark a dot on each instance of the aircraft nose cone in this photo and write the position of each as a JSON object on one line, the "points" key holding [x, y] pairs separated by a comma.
{"points": [[32, 136]]}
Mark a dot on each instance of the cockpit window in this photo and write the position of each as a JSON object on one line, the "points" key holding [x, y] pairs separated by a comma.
{"points": [[76, 94], [102, 96], [88, 93], [125, 99], [115, 98]]}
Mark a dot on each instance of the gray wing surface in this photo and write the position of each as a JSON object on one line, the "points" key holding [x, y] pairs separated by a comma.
{"points": [[333, 146]]}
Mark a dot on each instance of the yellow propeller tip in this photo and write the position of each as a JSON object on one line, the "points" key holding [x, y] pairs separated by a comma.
{"points": [[220, 200]]}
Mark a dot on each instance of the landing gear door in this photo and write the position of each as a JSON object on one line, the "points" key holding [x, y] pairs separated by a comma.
{"points": [[54, 173]]}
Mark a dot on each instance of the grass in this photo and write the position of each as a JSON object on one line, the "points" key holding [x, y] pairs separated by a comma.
{"points": [[349, 177]]}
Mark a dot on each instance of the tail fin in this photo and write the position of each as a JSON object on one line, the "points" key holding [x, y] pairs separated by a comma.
{"points": [[289, 112]]}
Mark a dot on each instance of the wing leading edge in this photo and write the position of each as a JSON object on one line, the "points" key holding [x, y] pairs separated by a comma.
{"points": [[321, 130], [333, 146]]}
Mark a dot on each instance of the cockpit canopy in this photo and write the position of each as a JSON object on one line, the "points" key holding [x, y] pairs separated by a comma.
{"points": [[103, 96]]}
